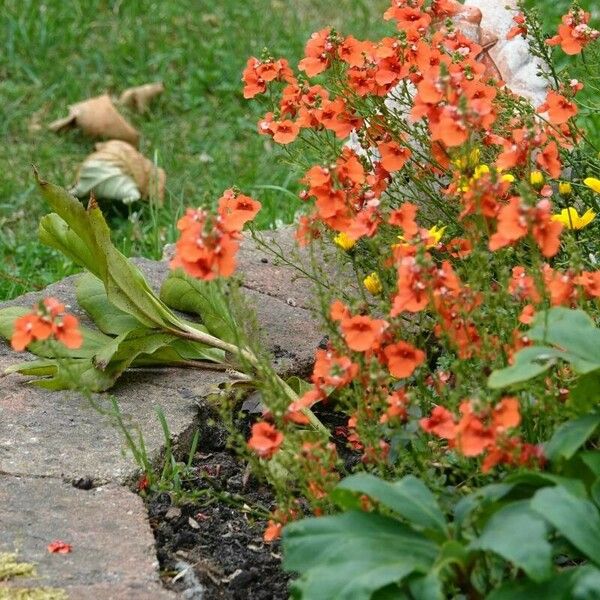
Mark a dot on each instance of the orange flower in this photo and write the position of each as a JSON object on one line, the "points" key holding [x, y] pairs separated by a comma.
{"points": [[29, 328], [506, 414], [405, 217], [59, 547], [48, 320], [66, 330], [440, 422], [285, 132], [402, 359], [549, 160], [265, 439], [272, 532], [393, 156], [361, 333], [318, 53], [574, 33], [236, 210], [559, 109]]}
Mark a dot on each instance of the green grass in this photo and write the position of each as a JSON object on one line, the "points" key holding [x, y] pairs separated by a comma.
{"points": [[201, 130], [53, 53]]}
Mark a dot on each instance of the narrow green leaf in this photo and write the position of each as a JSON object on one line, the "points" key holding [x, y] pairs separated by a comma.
{"points": [[577, 519]]}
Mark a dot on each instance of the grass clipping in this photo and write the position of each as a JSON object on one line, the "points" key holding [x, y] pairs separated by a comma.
{"points": [[10, 568]]}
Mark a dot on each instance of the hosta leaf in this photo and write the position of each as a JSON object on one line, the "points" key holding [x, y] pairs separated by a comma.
{"points": [[518, 535], [409, 497], [576, 519], [350, 556]]}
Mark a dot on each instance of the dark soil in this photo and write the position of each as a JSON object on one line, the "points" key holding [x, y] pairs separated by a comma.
{"points": [[212, 548]]}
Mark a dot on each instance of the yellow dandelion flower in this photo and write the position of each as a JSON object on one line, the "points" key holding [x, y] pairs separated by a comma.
{"points": [[537, 179], [565, 189], [593, 184], [435, 235], [373, 284], [344, 241], [570, 218]]}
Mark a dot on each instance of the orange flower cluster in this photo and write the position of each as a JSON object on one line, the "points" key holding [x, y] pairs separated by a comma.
{"points": [[485, 431], [48, 320], [574, 33], [208, 245], [265, 440]]}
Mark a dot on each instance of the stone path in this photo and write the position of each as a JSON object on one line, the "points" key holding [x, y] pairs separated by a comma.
{"points": [[51, 442]]}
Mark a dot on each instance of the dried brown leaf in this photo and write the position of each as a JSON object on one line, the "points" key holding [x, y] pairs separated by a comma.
{"points": [[139, 97], [98, 117]]}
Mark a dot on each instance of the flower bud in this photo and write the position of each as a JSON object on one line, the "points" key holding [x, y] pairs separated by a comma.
{"points": [[565, 189], [537, 180], [373, 284]]}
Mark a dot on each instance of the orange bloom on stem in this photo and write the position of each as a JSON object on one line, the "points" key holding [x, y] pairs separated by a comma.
{"points": [[404, 217], [265, 439], [29, 328], [549, 160], [393, 156], [361, 333], [236, 210], [285, 132], [574, 33], [402, 359], [317, 53], [440, 422], [66, 330], [559, 109]]}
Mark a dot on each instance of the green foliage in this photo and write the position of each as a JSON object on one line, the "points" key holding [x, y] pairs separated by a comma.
{"points": [[567, 335], [502, 540]]}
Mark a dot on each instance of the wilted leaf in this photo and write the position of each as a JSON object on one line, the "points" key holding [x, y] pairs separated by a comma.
{"points": [[98, 117], [139, 97], [117, 171]]}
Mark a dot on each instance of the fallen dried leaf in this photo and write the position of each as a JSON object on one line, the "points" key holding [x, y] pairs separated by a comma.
{"points": [[59, 547], [98, 117], [139, 97], [117, 171]]}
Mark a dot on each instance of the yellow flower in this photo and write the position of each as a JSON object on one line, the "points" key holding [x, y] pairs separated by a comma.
{"points": [[435, 235], [593, 184], [508, 177], [537, 179], [470, 160], [571, 219], [565, 189], [373, 284], [344, 241]]}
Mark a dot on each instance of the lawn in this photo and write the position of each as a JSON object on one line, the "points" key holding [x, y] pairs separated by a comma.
{"points": [[201, 130]]}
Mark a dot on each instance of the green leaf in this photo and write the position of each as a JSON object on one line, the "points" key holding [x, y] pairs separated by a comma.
{"points": [[518, 535], [586, 583], [125, 285], [559, 587], [91, 296], [526, 483], [585, 396], [427, 587], [350, 556], [577, 519], [571, 330], [528, 363], [202, 298], [570, 436], [409, 497], [479, 499]]}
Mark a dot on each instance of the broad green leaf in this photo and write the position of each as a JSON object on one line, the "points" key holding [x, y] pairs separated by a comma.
{"points": [[558, 587], [570, 436], [574, 332], [426, 587], [125, 285], [586, 583], [54, 232], [584, 397], [518, 535], [202, 298], [479, 499], [577, 519], [526, 483], [299, 385], [528, 363], [91, 296], [409, 497], [350, 556]]}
